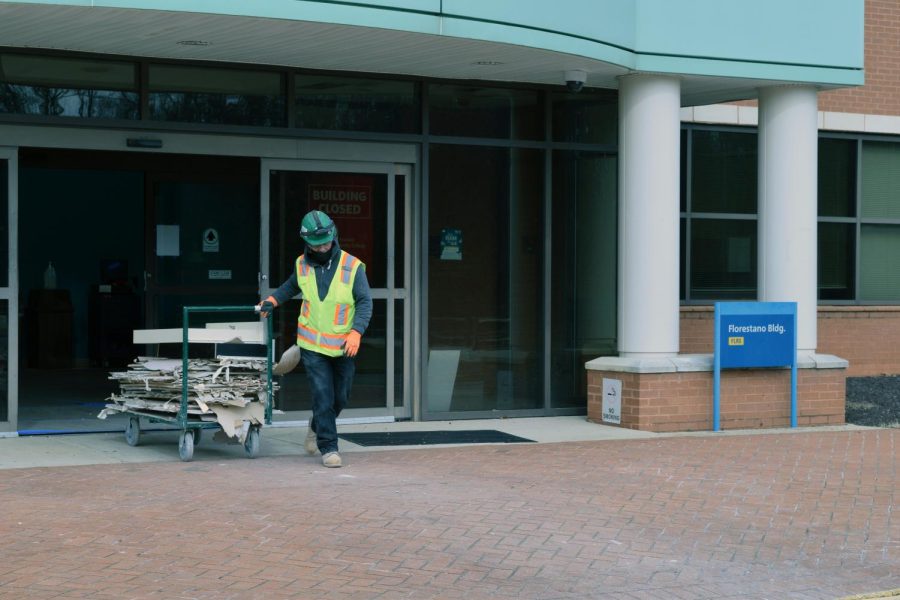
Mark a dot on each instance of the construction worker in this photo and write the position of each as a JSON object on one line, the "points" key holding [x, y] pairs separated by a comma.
{"points": [[336, 309]]}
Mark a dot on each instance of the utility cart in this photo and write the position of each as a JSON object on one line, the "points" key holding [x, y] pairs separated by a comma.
{"points": [[232, 392]]}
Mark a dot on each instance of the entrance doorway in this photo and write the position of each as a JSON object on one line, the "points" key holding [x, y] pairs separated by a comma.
{"points": [[93, 266], [370, 204]]}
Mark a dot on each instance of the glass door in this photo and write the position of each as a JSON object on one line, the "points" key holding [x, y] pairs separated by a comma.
{"points": [[202, 242], [9, 305], [370, 204]]}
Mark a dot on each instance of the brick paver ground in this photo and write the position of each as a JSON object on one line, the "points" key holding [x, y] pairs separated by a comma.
{"points": [[801, 515]]}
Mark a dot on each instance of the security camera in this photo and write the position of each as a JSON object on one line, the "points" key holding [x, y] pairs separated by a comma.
{"points": [[575, 79]]}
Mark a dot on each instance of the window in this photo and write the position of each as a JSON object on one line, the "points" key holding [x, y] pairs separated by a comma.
{"points": [[583, 299], [719, 226], [356, 104], [68, 87], [219, 96], [858, 208], [474, 111], [591, 116]]}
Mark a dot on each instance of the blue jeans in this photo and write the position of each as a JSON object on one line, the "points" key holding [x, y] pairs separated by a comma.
{"points": [[330, 379]]}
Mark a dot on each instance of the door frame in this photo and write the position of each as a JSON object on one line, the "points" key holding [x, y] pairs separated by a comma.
{"points": [[391, 169], [194, 141], [10, 293]]}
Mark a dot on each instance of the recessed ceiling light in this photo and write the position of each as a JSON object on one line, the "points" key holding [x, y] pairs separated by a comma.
{"points": [[193, 43], [487, 63]]}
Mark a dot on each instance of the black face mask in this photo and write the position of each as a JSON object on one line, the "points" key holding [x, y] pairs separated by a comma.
{"points": [[319, 258]]}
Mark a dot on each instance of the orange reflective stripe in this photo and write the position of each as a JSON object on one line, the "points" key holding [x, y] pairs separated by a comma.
{"points": [[304, 309], [306, 333], [326, 341], [333, 342], [304, 268], [347, 267], [340, 314]]}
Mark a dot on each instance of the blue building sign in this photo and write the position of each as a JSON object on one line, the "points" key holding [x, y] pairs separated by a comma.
{"points": [[755, 335]]}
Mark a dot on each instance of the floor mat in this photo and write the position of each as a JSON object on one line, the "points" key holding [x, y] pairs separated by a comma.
{"points": [[419, 438]]}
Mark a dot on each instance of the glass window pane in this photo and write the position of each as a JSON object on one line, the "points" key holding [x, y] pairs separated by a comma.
{"points": [[398, 354], [583, 291], [683, 187], [837, 260], [399, 225], [68, 87], [474, 111], [4, 360], [220, 96], [54, 71], [357, 202], [879, 263], [356, 104], [723, 259], [589, 117], [4, 224], [370, 379], [881, 180], [485, 317], [682, 246], [724, 172], [837, 178]]}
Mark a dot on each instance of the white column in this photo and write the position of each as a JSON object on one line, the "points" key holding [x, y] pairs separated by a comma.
{"points": [[649, 171], [788, 180]]}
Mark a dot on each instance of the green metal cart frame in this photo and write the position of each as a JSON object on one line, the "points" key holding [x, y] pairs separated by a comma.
{"points": [[190, 429]]}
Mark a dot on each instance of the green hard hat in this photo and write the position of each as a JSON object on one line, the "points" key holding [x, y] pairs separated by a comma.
{"points": [[316, 228]]}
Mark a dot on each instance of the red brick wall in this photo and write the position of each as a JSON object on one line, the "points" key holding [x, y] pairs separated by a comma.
{"points": [[867, 336], [881, 93], [758, 398]]}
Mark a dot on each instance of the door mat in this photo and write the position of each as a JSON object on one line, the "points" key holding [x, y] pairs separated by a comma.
{"points": [[419, 438]]}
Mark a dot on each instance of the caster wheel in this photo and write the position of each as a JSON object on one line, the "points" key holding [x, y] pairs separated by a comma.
{"points": [[251, 444], [186, 446], [133, 431], [196, 433]]}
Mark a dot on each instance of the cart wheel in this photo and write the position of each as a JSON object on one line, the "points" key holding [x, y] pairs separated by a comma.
{"points": [[186, 446], [196, 433], [133, 431], [251, 444]]}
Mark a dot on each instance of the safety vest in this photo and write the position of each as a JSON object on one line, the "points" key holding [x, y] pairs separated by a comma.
{"points": [[323, 324]]}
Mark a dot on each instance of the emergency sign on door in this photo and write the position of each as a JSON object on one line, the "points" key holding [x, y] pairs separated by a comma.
{"points": [[210, 240]]}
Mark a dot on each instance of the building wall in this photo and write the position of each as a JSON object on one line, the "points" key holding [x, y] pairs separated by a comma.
{"points": [[881, 92], [749, 399], [863, 335]]}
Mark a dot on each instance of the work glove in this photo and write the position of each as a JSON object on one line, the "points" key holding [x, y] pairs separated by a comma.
{"points": [[267, 306], [351, 343]]}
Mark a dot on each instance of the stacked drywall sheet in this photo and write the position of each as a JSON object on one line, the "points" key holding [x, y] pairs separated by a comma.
{"points": [[228, 391]]}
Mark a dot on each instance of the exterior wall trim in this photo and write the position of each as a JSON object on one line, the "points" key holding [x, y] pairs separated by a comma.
{"points": [[735, 114]]}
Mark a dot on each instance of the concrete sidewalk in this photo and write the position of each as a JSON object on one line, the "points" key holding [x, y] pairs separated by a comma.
{"points": [[159, 444], [162, 445], [806, 514]]}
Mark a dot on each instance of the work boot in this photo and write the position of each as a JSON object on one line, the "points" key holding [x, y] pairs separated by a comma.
{"points": [[331, 459], [310, 442]]}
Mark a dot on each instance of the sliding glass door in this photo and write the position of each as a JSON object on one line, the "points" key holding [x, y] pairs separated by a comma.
{"points": [[369, 202], [9, 360]]}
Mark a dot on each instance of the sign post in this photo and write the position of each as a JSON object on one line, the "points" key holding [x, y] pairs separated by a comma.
{"points": [[754, 334]]}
